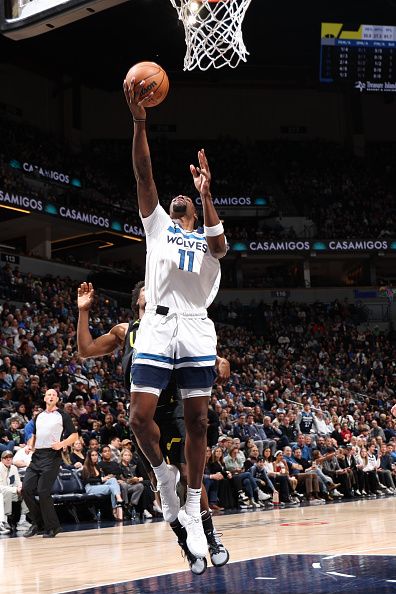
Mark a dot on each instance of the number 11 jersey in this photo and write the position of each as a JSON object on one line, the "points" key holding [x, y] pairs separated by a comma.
{"points": [[181, 273]]}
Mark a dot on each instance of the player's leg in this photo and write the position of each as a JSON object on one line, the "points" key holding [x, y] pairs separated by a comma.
{"points": [[144, 428], [143, 404], [172, 444], [194, 364], [195, 418]]}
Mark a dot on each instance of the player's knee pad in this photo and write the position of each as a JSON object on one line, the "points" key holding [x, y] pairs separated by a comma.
{"points": [[195, 392]]}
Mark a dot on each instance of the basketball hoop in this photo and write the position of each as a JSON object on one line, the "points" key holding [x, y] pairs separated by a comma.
{"points": [[213, 32]]}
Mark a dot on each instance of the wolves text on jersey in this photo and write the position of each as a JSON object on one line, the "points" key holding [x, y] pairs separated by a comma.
{"points": [[189, 243]]}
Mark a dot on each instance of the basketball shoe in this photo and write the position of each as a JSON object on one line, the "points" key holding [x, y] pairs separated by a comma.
{"points": [[196, 539], [197, 565]]}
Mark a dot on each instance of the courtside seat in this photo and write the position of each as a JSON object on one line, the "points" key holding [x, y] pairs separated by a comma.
{"points": [[68, 491], [72, 493]]}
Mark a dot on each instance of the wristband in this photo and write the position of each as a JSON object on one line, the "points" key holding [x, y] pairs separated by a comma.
{"points": [[135, 120], [214, 231]]}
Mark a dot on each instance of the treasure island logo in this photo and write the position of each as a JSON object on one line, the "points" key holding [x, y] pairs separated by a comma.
{"points": [[361, 86]]}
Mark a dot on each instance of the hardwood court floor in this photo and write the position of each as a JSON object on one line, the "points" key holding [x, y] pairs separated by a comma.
{"points": [[87, 558]]}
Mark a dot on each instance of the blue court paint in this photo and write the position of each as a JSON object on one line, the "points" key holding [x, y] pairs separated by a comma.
{"points": [[297, 574]]}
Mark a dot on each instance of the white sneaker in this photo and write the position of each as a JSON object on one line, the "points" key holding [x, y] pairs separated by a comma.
{"points": [[23, 525], [146, 514], [196, 539], [3, 529], [169, 500], [217, 551], [337, 493], [157, 508], [263, 496]]}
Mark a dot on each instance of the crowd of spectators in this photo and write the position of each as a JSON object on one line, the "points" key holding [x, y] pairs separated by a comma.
{"points": [[344, 195], [310, 386]]}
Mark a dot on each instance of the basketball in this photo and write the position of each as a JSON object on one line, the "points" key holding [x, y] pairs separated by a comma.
{"points": [[155, 81]]}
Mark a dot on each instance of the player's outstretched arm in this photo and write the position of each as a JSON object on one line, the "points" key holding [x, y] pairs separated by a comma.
{"points": [[213, 228], [141, 161], [87, 346]]}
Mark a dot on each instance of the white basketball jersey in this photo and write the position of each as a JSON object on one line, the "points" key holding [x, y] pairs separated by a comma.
{"points": [[180, 271]]}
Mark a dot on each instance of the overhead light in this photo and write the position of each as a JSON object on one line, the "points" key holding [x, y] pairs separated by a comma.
{"points": [[14, 208]]}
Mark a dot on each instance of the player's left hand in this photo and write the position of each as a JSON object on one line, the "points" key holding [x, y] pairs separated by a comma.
{"points": [[202, 176], [223, 370], [57, 445], [85, 296]]}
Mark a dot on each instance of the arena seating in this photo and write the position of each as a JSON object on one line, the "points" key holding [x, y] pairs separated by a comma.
{"points": [[282, 356]]}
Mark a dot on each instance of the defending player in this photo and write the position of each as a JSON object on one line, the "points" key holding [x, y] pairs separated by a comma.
{"points": [[182, 279], [168, 415]]}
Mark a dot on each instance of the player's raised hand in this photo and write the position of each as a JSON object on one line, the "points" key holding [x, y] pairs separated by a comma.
{"points": [[85, 295], [132, 95], [202, 176]]}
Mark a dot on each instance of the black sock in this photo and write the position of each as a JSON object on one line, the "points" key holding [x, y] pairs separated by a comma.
{"points": [[179, 530], [207, 522]]}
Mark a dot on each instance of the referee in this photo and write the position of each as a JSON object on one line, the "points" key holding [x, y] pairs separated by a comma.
{"points": [[50, 426]]}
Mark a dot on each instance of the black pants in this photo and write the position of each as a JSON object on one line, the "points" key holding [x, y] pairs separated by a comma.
{"points": [[39, 478]]}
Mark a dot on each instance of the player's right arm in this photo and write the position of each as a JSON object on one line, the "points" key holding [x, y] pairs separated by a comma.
{"points": [[88, 346], [141, 160]]}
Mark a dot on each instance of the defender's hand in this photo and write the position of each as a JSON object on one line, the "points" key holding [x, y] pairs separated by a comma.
{"points": [[85, 295], [223, 370]]}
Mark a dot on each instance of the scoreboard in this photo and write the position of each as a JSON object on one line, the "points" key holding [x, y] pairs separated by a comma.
{"points": [[363, 56]]}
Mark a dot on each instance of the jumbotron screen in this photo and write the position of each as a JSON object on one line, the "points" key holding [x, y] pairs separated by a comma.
{"points": [[361, 55]]}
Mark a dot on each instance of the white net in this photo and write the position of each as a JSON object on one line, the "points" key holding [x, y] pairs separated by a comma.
{"points": [[213, 32]]}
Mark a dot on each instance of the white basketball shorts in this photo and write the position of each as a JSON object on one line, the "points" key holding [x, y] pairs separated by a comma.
{"points": [[184, 342]]}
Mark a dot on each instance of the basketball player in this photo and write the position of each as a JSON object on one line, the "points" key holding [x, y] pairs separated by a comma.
{"points": [[182, 279], [168, 414]]}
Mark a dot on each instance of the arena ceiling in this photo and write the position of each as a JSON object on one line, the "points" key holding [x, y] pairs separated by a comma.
{"points": [[282, 37]]}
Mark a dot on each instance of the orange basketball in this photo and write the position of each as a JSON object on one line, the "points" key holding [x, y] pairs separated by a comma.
{"points": [[155, 81]]}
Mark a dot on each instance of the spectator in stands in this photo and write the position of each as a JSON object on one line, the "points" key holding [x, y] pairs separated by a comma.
{"points": [[278, 478], [99, 484], [241, 431], [264, 483], [108, 431], [131, 485], [11, 489], [77, 455], [14, 433], [297, 468], [236, 467], [216, 466], [386, 470], [332, 468], [115, 449]]}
